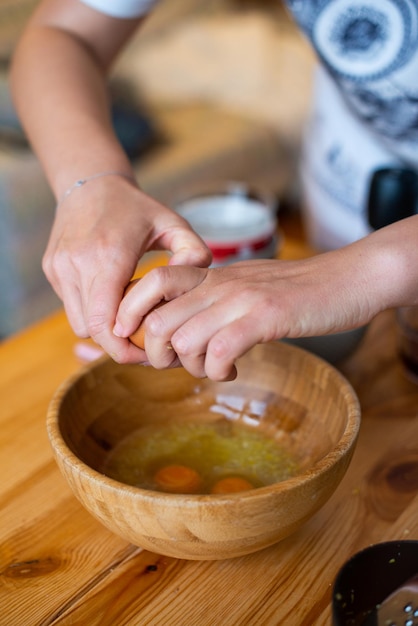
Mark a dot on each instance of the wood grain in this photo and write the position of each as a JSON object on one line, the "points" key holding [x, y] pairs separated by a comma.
{"points": [[301, 400]]}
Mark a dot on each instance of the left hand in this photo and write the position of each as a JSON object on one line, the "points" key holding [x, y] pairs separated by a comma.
{"points": [[213, 316]]}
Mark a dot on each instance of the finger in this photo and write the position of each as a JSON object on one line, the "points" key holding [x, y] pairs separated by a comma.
{"points": [[73, 306], [158, 285], [191, 256], [160, 324], [194, 365], [225, 348], [222, 334], [60, 273], [157, 333], [173, 332], [160, 351], [187, 247], [101, 301], [97, 323]]}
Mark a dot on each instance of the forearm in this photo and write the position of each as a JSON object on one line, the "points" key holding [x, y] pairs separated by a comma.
{"points": [[60, 90], [384, 266], [211, 317]]}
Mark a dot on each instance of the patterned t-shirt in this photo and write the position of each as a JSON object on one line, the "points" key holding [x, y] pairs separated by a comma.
{"points": [[365, 103], [365, 107], [370, 49]]}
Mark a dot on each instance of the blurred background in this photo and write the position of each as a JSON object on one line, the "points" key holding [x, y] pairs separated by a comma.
{"points": [[206, 93]]}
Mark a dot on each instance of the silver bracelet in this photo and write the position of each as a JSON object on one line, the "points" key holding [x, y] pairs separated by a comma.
{"points": [[82, 181]]}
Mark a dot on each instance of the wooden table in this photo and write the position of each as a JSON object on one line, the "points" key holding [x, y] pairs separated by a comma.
{"points": [[59, 566]]}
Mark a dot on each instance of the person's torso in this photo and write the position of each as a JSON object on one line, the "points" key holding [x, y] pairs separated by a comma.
{"points": [[370, 50]]}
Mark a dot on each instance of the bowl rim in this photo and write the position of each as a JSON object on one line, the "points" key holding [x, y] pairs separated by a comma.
{"points": [[60, 448]]}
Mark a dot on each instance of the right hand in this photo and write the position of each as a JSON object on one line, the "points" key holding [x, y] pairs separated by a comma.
{"points": [[100, 232]]}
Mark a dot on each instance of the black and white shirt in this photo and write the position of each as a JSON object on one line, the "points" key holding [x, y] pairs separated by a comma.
{"points": [[365, 104]]}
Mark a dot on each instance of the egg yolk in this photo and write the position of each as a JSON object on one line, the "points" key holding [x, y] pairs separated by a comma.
{"points": [[231, 484], [178, 479]]}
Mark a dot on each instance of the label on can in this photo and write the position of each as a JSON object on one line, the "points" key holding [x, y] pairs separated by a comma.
{"points": [[234, 226]]}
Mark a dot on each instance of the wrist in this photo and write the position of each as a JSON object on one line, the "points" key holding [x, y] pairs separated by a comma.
{"points": [[80, 182], [390, 259]]}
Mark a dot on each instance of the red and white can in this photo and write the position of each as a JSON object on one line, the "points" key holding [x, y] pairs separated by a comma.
{"points": [[236, 224]]}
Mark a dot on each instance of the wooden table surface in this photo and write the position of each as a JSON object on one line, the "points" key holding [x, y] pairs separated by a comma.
{"points": [[59, 566]]}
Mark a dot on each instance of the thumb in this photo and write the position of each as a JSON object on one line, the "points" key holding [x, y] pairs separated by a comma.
{"points": [[189, 249]]}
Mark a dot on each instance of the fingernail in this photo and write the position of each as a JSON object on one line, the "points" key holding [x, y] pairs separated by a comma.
{"points": [[118, 330]]}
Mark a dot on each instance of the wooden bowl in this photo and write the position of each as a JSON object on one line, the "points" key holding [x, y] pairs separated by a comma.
{"points": [[304, 401]]}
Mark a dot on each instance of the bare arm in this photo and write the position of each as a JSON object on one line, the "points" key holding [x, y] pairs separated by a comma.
{"points": [[59, 86], [101, 230], [214, 316]]}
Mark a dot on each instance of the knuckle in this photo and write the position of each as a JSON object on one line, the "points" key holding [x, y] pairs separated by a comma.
{"points": [[195, 366], [81, 332], [220, 348], [47, 265], [120, 358], [181, 343], [96, 324], [56, 264], [160, 275], [154, 324]]}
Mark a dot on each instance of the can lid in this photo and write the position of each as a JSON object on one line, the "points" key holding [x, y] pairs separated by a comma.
{"points": [[228, 221]]}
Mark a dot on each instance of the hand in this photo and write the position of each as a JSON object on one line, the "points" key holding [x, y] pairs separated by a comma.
{"points": [[99, 234], [213, 316]]}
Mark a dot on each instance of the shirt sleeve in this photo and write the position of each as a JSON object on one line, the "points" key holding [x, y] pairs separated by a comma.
{"points": [[121, 8]]}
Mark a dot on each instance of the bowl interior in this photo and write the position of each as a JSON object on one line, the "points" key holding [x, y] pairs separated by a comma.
{"points": [[286, 392]]}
